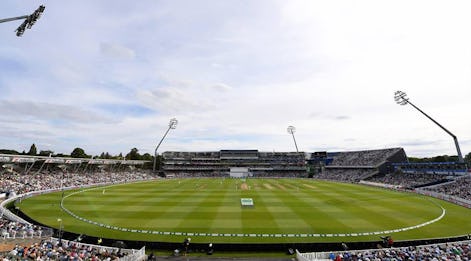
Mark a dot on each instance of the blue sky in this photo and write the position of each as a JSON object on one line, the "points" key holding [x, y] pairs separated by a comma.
{"points": [[108, 75]]}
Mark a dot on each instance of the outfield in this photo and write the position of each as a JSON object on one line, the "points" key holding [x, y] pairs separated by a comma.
{"points": [[285, 210]]}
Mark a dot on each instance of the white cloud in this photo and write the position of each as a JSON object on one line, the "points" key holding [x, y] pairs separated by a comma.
{"points": [[45, 111], [116, 51], [236, 75], [221, 87]]}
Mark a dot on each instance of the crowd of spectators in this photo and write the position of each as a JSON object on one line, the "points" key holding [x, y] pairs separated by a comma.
{"points": [[461, 188], [23, 183], [12, 182], [282, 158], [217, 164], [280, 174], [62, 250], [287, 173], [198, 174], [353, 166], [12, 229], [408, 180], [450, 251], [344, 174], [364, 158]]}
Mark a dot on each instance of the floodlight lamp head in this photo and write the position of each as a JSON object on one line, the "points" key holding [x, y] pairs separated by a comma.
{"points": [[19, 32], [401, 98], [21, 29], [173, 123], [291, 129], [30, 20]]}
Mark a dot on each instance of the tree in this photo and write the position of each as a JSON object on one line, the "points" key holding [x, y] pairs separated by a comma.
{"points": [[467, 158], [133, 154], [78, 153], [105, 155], [441, 158], [415, 160], [33, 150], [147, 156], [3, 151]]}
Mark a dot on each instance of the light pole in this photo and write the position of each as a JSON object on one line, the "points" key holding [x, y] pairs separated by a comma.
{"points": [[401, 99], [171, 125], [292, 130], [60, 230], [29, 21]]}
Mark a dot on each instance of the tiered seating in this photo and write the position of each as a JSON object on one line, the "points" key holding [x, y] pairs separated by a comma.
{"points": [[408, 180], [218, 164], [365, 158], [15, 183], [21, 183], [54, 249], [459, 188], [448, 251], [353, 166]]}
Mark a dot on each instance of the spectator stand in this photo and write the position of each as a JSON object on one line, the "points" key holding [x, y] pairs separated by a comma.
{"points": [[460, 250], [60, 249], [14, 227], [353, 166]]}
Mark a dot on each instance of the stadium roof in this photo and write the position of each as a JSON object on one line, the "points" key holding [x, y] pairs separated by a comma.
{"points": [[66, 160]]}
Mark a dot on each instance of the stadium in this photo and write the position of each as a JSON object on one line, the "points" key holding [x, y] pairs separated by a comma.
{"points": [[229, 187], [239, 200]]}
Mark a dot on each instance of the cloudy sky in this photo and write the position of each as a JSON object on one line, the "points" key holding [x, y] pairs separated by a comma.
{"points": [[108, 75]]}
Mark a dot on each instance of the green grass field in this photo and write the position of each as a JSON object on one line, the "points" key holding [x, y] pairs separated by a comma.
{"points": [[285, 210]]}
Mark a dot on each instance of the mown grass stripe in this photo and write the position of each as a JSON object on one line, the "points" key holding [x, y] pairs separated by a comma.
{"points": [[327, 207]]}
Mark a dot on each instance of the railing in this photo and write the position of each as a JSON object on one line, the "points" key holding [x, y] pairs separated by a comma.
{"points": [[459, 201], [315, 256], [456, 200], [8, 214], [381, 185], [4, 212], [129, 254]]}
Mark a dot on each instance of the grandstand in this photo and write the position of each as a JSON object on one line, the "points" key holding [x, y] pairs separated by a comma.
{"points": [[220, 163], [353, 166], [459, 187], [25, 164], [418, 175], [22, 175], [409, 180], [460, 250]]}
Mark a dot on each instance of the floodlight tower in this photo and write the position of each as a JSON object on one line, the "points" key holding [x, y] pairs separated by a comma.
{"points": [[292, 130], [61, 226], [171, 125], [401, 99], [29, 21]]}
